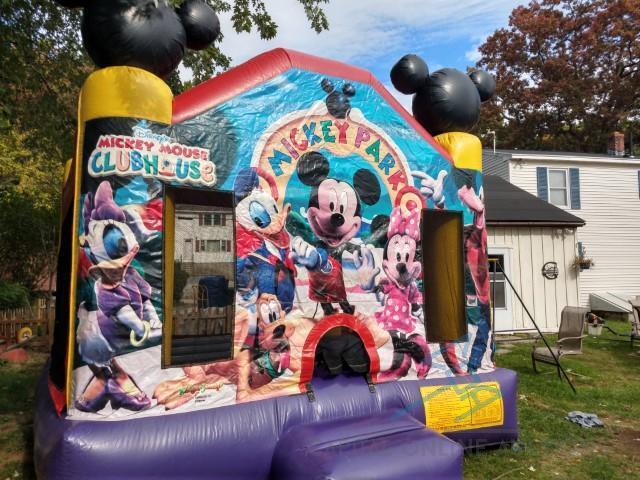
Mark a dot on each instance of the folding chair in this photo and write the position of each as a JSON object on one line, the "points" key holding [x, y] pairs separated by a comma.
{"points": [[569, 342]]}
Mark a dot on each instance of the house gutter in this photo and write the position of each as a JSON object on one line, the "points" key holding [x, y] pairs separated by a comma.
{"points": [[568, 158], [534, 224]]}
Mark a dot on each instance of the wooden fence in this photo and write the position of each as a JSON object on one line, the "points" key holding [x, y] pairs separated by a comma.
{"points": [[38, 317]]}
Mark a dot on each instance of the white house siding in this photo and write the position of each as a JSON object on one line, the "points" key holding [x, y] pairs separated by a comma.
{"points": [[530, 248], [496, 163], [197, 261], [610, 206]]}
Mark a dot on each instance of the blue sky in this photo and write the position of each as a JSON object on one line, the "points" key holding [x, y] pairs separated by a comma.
{"points": [[373, 34]]}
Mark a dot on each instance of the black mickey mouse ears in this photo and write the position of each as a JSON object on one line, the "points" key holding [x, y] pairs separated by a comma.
{"points": [[409, 74], [200, 23], [348, 89], [485, 83], [155, 43], [327, 85]]}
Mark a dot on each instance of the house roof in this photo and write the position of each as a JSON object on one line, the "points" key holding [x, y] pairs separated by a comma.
{"points": [[507, 204], [270, 64]]}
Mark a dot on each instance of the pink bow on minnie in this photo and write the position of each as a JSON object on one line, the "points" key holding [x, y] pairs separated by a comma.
{"points": [[408, 224]]}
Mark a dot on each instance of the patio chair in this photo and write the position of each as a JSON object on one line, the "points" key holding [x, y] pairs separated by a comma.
{"points": [[569, 342]]}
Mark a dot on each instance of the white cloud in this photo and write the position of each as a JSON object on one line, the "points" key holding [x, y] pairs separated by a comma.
{"points": [[361, 30], [473, 55]]}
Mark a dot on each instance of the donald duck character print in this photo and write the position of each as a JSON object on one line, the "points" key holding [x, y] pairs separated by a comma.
{"points": [[263, 243]]}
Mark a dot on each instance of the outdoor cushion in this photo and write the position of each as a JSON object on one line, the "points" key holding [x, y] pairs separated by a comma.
{"points": [[392, 445]]}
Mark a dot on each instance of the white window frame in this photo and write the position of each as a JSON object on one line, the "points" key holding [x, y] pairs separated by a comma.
{"points": [[214, 219], [567, 187], [504, 316], [504, 281], [209, 245]]}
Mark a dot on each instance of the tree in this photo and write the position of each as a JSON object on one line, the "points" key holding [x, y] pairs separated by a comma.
{"points": [[246, 15], [43, 68], [28, 213], [44, 63], [568, 75]]}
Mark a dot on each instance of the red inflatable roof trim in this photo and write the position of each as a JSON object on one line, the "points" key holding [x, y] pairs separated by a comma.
{"points": [[270, 64]]}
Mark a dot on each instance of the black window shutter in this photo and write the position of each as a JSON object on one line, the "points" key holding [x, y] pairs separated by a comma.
{"points": [[574, 183], [543, 184]]}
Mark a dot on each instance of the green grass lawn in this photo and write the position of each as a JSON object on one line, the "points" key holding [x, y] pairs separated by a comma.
{"points": [[17, 394], [606, 376]]}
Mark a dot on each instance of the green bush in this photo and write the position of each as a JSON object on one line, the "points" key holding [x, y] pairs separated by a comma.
{"points": [[13, 295]]}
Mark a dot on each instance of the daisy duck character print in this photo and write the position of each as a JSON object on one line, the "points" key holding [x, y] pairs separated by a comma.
{"points": [[122, 317]]}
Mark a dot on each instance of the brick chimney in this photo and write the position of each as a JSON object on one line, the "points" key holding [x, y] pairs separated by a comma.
{"points": [[616, 144]]}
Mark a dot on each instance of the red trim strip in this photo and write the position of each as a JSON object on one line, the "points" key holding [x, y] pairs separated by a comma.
{"points": [[320, 329], [268, 65], [58, 397]]}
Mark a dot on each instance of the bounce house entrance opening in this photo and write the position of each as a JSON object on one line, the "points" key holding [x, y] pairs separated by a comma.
{"points": [[444, 299], [340, 350], [327, 334]]}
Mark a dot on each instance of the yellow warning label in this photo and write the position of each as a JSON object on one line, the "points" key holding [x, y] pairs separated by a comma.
{"points": [[449, 408]]}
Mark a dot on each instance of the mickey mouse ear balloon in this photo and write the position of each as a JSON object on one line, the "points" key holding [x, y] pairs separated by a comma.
{"points": [[449, 103], [135, 33], [485, 83], [446, 100], [409, 74], [148, 34], [200, 23]]}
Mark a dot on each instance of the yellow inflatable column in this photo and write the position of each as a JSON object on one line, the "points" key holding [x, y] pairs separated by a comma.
{"points": [[465, 149], [110, 92]]}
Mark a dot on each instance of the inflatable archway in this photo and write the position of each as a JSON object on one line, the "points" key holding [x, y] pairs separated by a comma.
{"points": [[213, 240]]}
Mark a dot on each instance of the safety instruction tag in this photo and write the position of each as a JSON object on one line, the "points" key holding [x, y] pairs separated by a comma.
{"points": [[449, 408]]}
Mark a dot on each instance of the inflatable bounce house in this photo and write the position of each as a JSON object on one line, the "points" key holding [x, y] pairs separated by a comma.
{"points": [[278, 274]]}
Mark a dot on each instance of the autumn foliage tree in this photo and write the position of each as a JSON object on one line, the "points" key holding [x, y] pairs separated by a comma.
{"points": [[43, 67], [568, 75]]}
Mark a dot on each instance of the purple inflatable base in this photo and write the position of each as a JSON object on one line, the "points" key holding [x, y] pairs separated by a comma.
{"points": [[390, 446], [236, 442]]}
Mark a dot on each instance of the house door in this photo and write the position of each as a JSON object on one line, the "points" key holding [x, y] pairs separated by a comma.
{"points": [[500, 290], [187, 251]]}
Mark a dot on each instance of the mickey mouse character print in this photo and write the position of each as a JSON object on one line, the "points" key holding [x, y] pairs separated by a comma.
{"points": [[335, 216]]}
